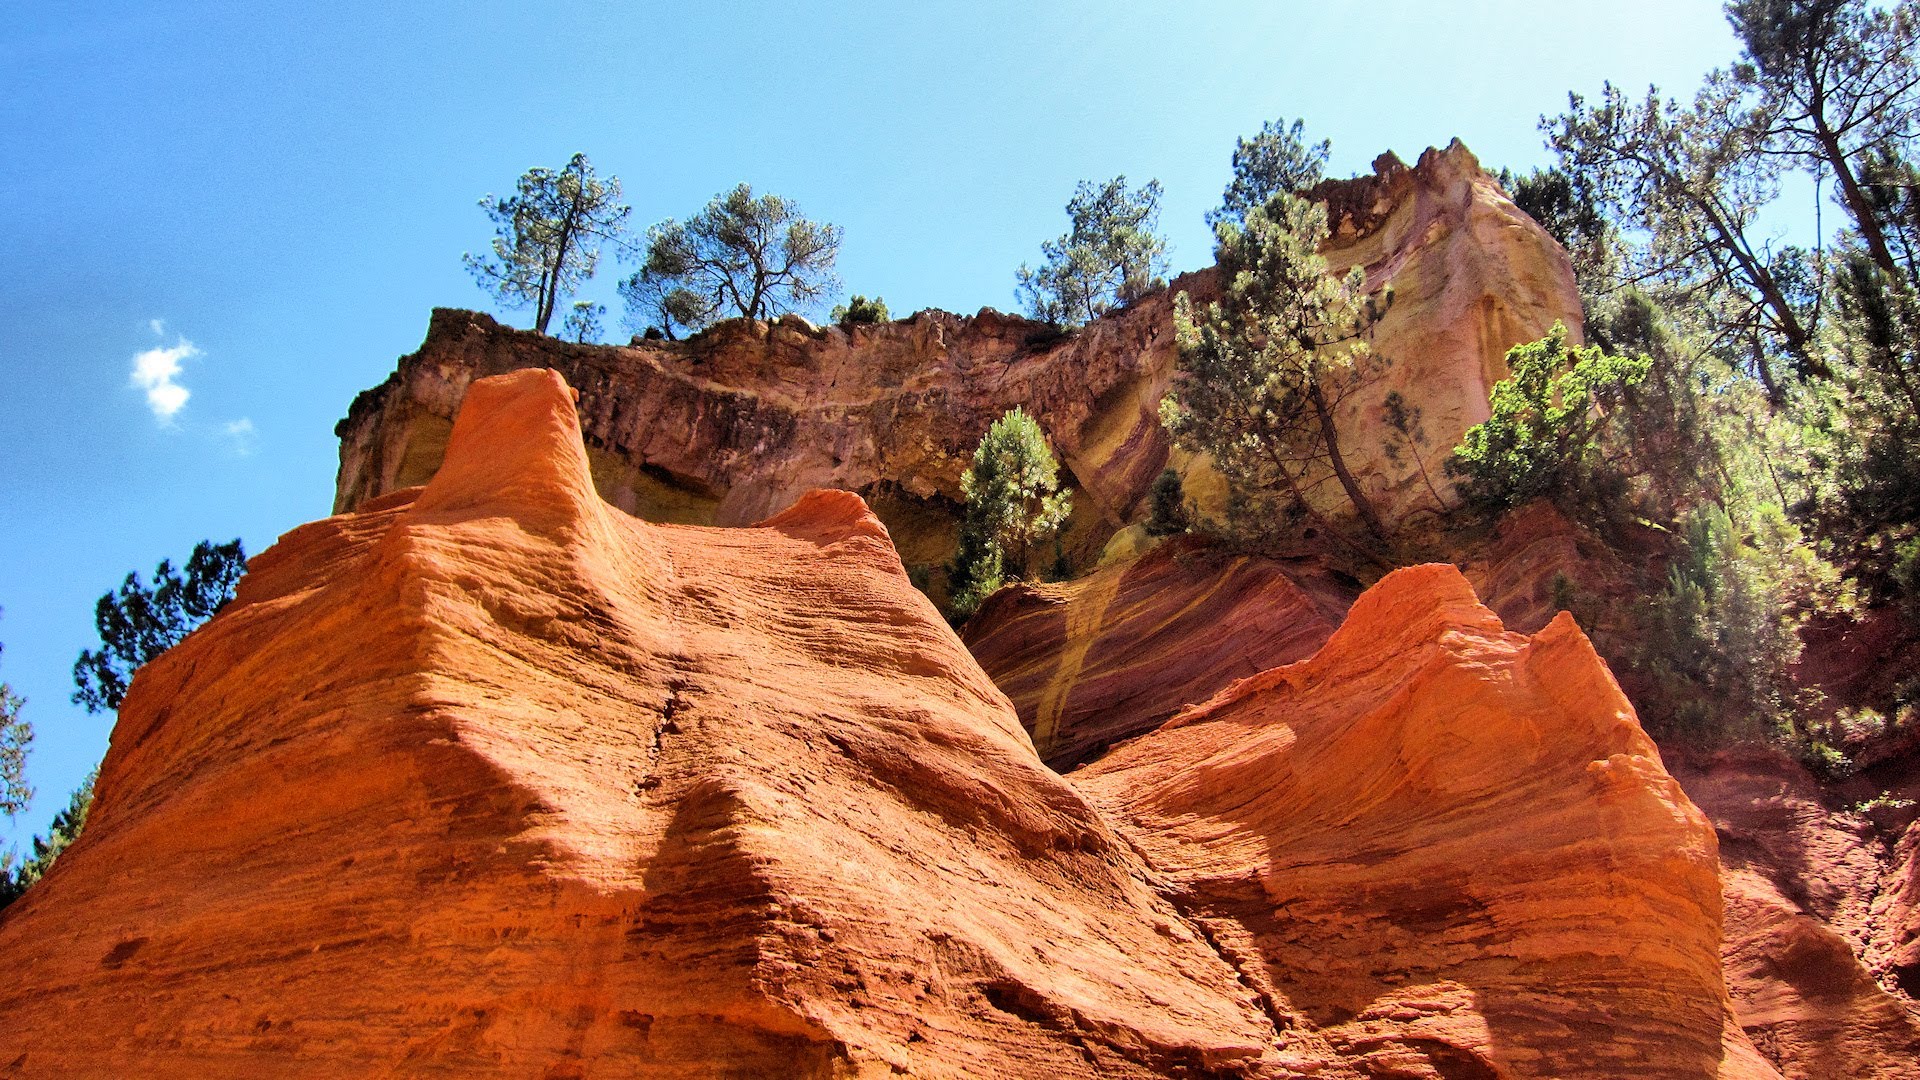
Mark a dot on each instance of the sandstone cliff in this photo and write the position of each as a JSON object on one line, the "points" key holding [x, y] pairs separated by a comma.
{"points": [[487, 778], [1821, 948], [739, 422], [1440, 848]]}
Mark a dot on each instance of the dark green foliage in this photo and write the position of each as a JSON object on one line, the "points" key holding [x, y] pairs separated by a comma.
{"points": [[1688, 181], [977, 571], [1834, 82], [548, 236], [862, 310], [139, 622], [1012, 504], [1262, 371], [17, 876], [1404, 441], [1277, 161], [1543, 437], [1720, 640], [1906, 573], [1865, 423], [755, 258], [16, 736], [1111, 255], [1167, 508]]}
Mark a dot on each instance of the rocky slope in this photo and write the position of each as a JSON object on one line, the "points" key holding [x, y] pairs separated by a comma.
{"points": [[739, 422], [1820, 947], [1442, 849], [487, 778], [1114, 654]]}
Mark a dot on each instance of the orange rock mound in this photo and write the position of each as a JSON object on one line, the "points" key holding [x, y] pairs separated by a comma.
{"points": [[1441, 849], [1813, 920], [489, 780]]}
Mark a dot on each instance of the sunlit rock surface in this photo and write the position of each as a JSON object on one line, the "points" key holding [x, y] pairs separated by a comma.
{"points": [[1442, 849], [487, 779], [490, 779], [738, 423]]}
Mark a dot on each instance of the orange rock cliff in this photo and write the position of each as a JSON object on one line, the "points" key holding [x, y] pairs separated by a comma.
{"points": [[739, 422], [594, 737], [489, 778]]}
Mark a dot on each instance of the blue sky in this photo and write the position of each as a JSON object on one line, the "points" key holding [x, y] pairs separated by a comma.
{"points": [[254, 206]]}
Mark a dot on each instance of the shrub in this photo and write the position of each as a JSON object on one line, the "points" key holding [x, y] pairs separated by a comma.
{"points": [[862, 310], [1543, 437], [1167, 513]]}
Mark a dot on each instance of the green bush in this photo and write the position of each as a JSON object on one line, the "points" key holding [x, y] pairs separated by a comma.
{"points": [[1013, 504], [1543, 437], [861, 310], [1167, 510]]}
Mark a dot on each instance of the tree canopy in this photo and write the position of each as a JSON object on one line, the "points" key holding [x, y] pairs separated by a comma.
{"points": [[1110, 255], [548, 235], [1543, 435], [1263, 370], [16, 736], [741, 255], [1012, 504], [139, 622], [1276, 161]]}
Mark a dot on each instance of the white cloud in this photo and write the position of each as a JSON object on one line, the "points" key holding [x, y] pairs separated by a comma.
{"points": [[158, 326], [241, 432], [157, 371]]}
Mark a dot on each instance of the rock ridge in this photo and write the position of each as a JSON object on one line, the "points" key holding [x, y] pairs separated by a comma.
{"points": [[737, 423], [488, 778]]}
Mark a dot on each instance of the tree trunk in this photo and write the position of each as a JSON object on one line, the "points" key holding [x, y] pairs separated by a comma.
{"points": [[1364, 506], [1856, 199], [550, 282]]}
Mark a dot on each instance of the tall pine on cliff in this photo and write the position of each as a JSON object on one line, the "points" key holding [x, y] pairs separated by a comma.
{"points": [[754, 257], [1263, 370], [1110, 256], [548, 235]]}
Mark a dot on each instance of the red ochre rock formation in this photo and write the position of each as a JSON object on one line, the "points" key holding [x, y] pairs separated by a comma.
{"points": [[1442, 849], [740, 421], [1814, 920], [489, 779], [1822, 914], [1112, 655]]}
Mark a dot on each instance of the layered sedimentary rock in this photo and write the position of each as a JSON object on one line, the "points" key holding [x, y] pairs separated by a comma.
{"points": [[740, 421], [1442, 849], [487, 779], [1113, 655], [1814, 920]]}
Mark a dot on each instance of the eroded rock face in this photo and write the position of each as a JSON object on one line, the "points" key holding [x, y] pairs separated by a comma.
{"points": [[1442, 849], [1815, 926], [1090, 662], [738, 423], [488, 779]]}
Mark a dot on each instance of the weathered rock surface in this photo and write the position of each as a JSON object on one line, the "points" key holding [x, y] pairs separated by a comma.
{"points": [[1814, 920], [489, 779], [1442, 849], [1113, 655], [486, 779], [739, 422]]}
